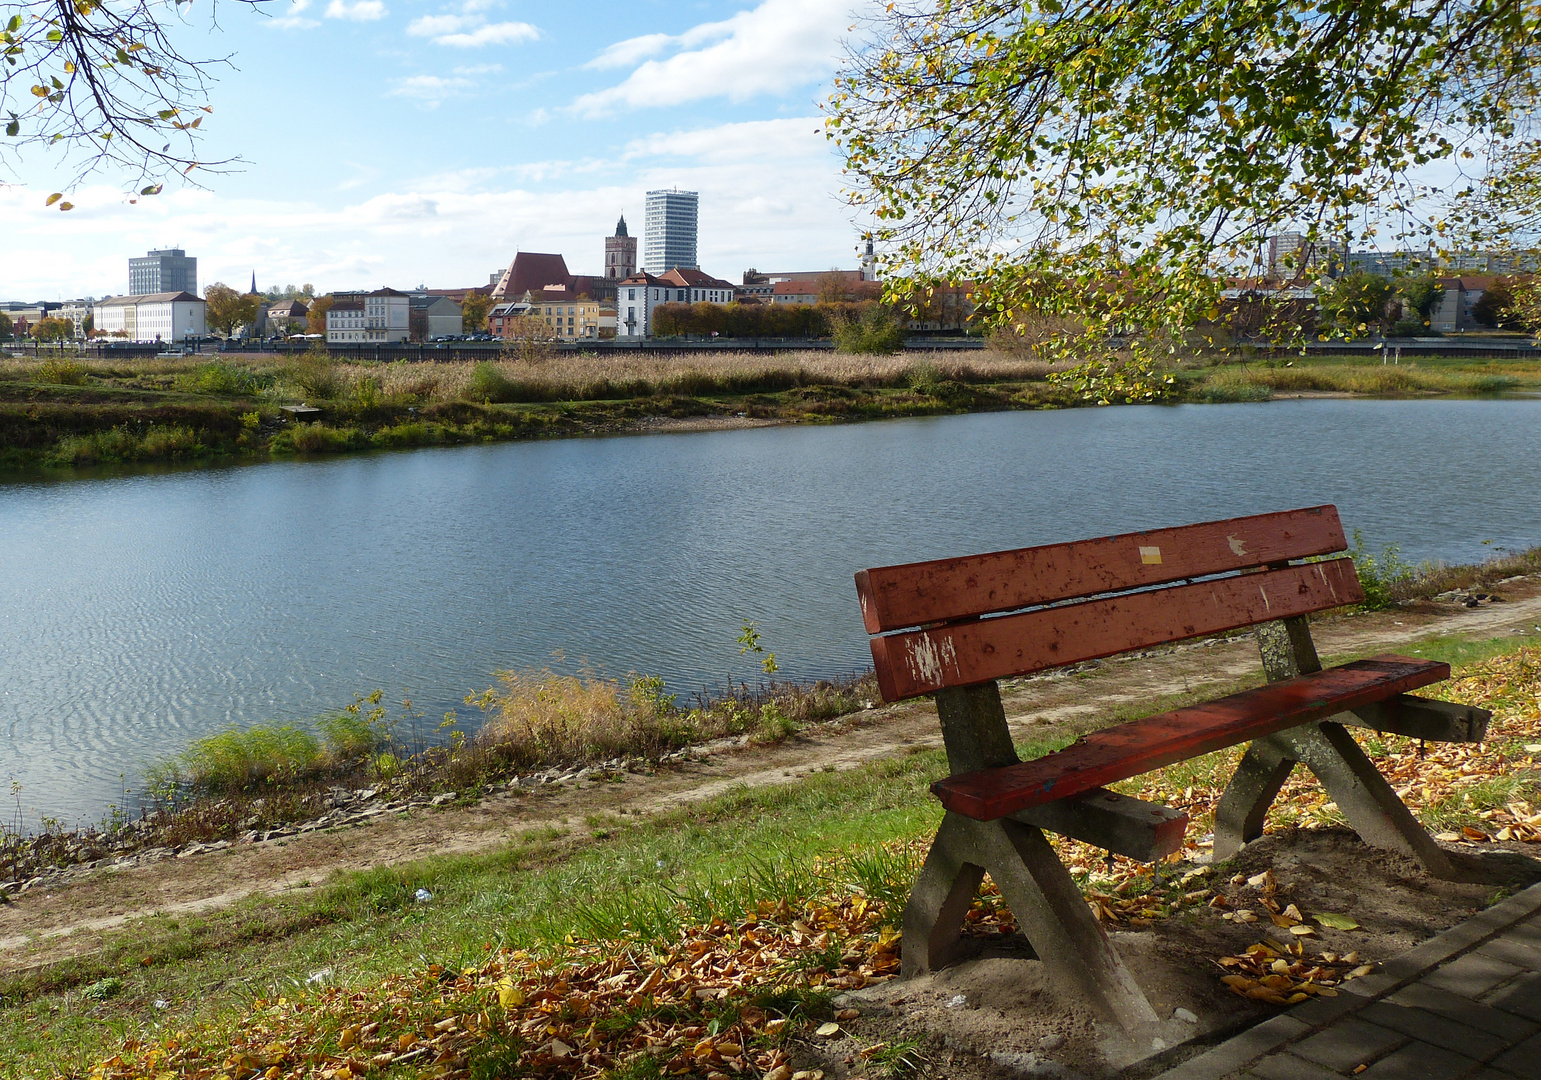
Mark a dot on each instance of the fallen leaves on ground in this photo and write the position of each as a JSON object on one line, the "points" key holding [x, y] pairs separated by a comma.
{"points": [[718, 1002], [1281, 974]]}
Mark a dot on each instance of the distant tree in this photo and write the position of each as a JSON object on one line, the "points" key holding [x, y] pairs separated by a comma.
{"points": [[88, 325], [473, 311], [228, 309], [1357, 303], [316, 318], [528, 339], [832, 287], [7, 328], [1495, 307], [1419, 294], [417, 324], [49, 328]]}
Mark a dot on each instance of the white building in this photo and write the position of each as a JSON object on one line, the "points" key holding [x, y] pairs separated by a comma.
{"points": [[638, 295], [669, 229], [171, 316], [376, 317]]}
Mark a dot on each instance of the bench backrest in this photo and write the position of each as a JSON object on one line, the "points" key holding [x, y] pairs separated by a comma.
{"points": [[1095, 598]]}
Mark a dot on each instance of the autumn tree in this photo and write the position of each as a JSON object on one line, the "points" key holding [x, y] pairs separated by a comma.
{"points": [[1112, 161], [1358, 303], [473, 311], [105, 85], [49, 328], [229, 309], [315, 317], [7, 327]]}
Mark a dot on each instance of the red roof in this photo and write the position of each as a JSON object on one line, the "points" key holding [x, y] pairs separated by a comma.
{"points": [[532, 270], [693, 279]]}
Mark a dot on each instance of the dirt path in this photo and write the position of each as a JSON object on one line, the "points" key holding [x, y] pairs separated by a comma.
{"points": [[46, 924]]}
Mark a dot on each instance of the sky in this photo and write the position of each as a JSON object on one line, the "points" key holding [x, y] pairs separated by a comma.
{"points": [[424, 142]]}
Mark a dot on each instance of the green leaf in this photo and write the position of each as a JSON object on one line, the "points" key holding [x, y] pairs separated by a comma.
{"points": [[55, 197], [153, 189], [1337, 922], [15, 24], [12, 128]]}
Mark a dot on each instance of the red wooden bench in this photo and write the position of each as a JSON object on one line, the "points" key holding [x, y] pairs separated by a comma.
{"points": [[954, 626]]}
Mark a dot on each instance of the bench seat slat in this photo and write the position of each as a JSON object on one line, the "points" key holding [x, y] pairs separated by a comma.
{"points": [[962, 654], [917, 594], [1129, 749]]}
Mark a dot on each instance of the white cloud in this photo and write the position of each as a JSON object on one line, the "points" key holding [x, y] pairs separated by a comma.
{"points": [[503, 33], [470, 29], [294, 20], [430, 90], [632, 51], [357, 11], [771, 49], [750, 140]]}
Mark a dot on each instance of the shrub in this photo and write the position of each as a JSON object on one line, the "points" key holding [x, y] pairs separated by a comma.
{"points": [[162, 443], [61, 373], [1380, 575], [219, 377], [489, 384], [317, 377], [350, 736], [1410, 328], [319, 439], [876, 331], [235, 759]]}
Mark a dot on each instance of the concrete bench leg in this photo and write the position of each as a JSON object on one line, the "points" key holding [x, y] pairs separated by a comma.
{"points": [[1328, 750], [1041, 894]]}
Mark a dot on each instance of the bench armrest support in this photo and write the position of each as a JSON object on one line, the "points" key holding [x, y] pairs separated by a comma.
{"points": [[1143, 831], [1422, 718]]}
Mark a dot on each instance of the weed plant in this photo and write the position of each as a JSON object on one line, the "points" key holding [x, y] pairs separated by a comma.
{"points": [[60, 372]]}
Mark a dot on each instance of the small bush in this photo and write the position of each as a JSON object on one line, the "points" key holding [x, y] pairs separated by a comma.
{"points": [[319, 439], [317, 377], [489, 384], [165, 443], [350, 736], [1410, 328], [235, 759], [877, 331], [222, 378], [61, 373], [1382, 574]]}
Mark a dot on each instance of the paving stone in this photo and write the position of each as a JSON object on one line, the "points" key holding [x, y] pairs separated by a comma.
{"points": [[1438, 1030], [1455, 1007], [1522, 997], [1346, 1045], [1233, 1054], [1472, 975], [1514, 950], [1420, 1061], [1290, 1067], [1523, 1060]]}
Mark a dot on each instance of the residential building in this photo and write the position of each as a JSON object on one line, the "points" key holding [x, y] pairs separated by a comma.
{"points": [[763, 287], [76, 312], [288, 317], [1452, 311], [1291, 256], [573, 317], [166, 271], [620, 253], [503, 320], [167, 316], [669, 227], [1390, 263], [639, 294], [439, 316], [373, 317]]}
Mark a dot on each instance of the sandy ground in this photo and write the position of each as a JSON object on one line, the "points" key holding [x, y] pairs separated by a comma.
{"points": [[1008, 1012]]}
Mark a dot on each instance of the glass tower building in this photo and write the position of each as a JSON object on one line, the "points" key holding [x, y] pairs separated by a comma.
{"points": [[162, 272], [669, 231]]}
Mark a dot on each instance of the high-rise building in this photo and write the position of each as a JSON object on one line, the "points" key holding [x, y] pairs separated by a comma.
{"points": [[164, 271], [621, 252], [669, 227]]}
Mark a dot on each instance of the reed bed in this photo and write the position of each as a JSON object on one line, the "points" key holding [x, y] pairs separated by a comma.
{"points": [[1376, 379]]}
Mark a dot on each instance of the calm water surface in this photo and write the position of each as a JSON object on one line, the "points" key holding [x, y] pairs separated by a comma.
{"points": [[140, 612]]}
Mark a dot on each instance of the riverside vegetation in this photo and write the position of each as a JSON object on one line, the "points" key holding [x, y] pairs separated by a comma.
{"points": [[705, 938], [65, 412]]}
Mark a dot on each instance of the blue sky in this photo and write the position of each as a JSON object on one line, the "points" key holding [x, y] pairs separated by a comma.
{"points": [[407, 142]]}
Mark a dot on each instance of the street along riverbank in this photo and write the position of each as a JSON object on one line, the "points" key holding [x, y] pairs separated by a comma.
{"points": [[61, 413]]}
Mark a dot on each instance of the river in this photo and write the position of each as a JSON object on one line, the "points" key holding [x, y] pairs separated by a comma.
{"points": [[140, 611]]}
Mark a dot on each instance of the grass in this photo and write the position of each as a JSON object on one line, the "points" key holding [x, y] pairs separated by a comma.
{"points": [[638, 887], [68, 412]]}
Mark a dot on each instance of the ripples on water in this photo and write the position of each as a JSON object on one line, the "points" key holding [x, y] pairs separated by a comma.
{"points": [[142, 611]]}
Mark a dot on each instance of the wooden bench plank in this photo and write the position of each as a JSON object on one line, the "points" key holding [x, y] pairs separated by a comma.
{"points": [[962, 654], [916, 594], [1125, 750]]}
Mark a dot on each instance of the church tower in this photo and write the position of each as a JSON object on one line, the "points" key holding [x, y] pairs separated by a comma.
{"points": [[620, 253]]}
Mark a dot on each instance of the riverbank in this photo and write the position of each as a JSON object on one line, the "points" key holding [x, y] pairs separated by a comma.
{"points": [[446, 928], [60, 414]]}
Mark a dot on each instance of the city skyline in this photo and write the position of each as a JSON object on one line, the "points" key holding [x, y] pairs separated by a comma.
{"points": [[722, 101]]}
